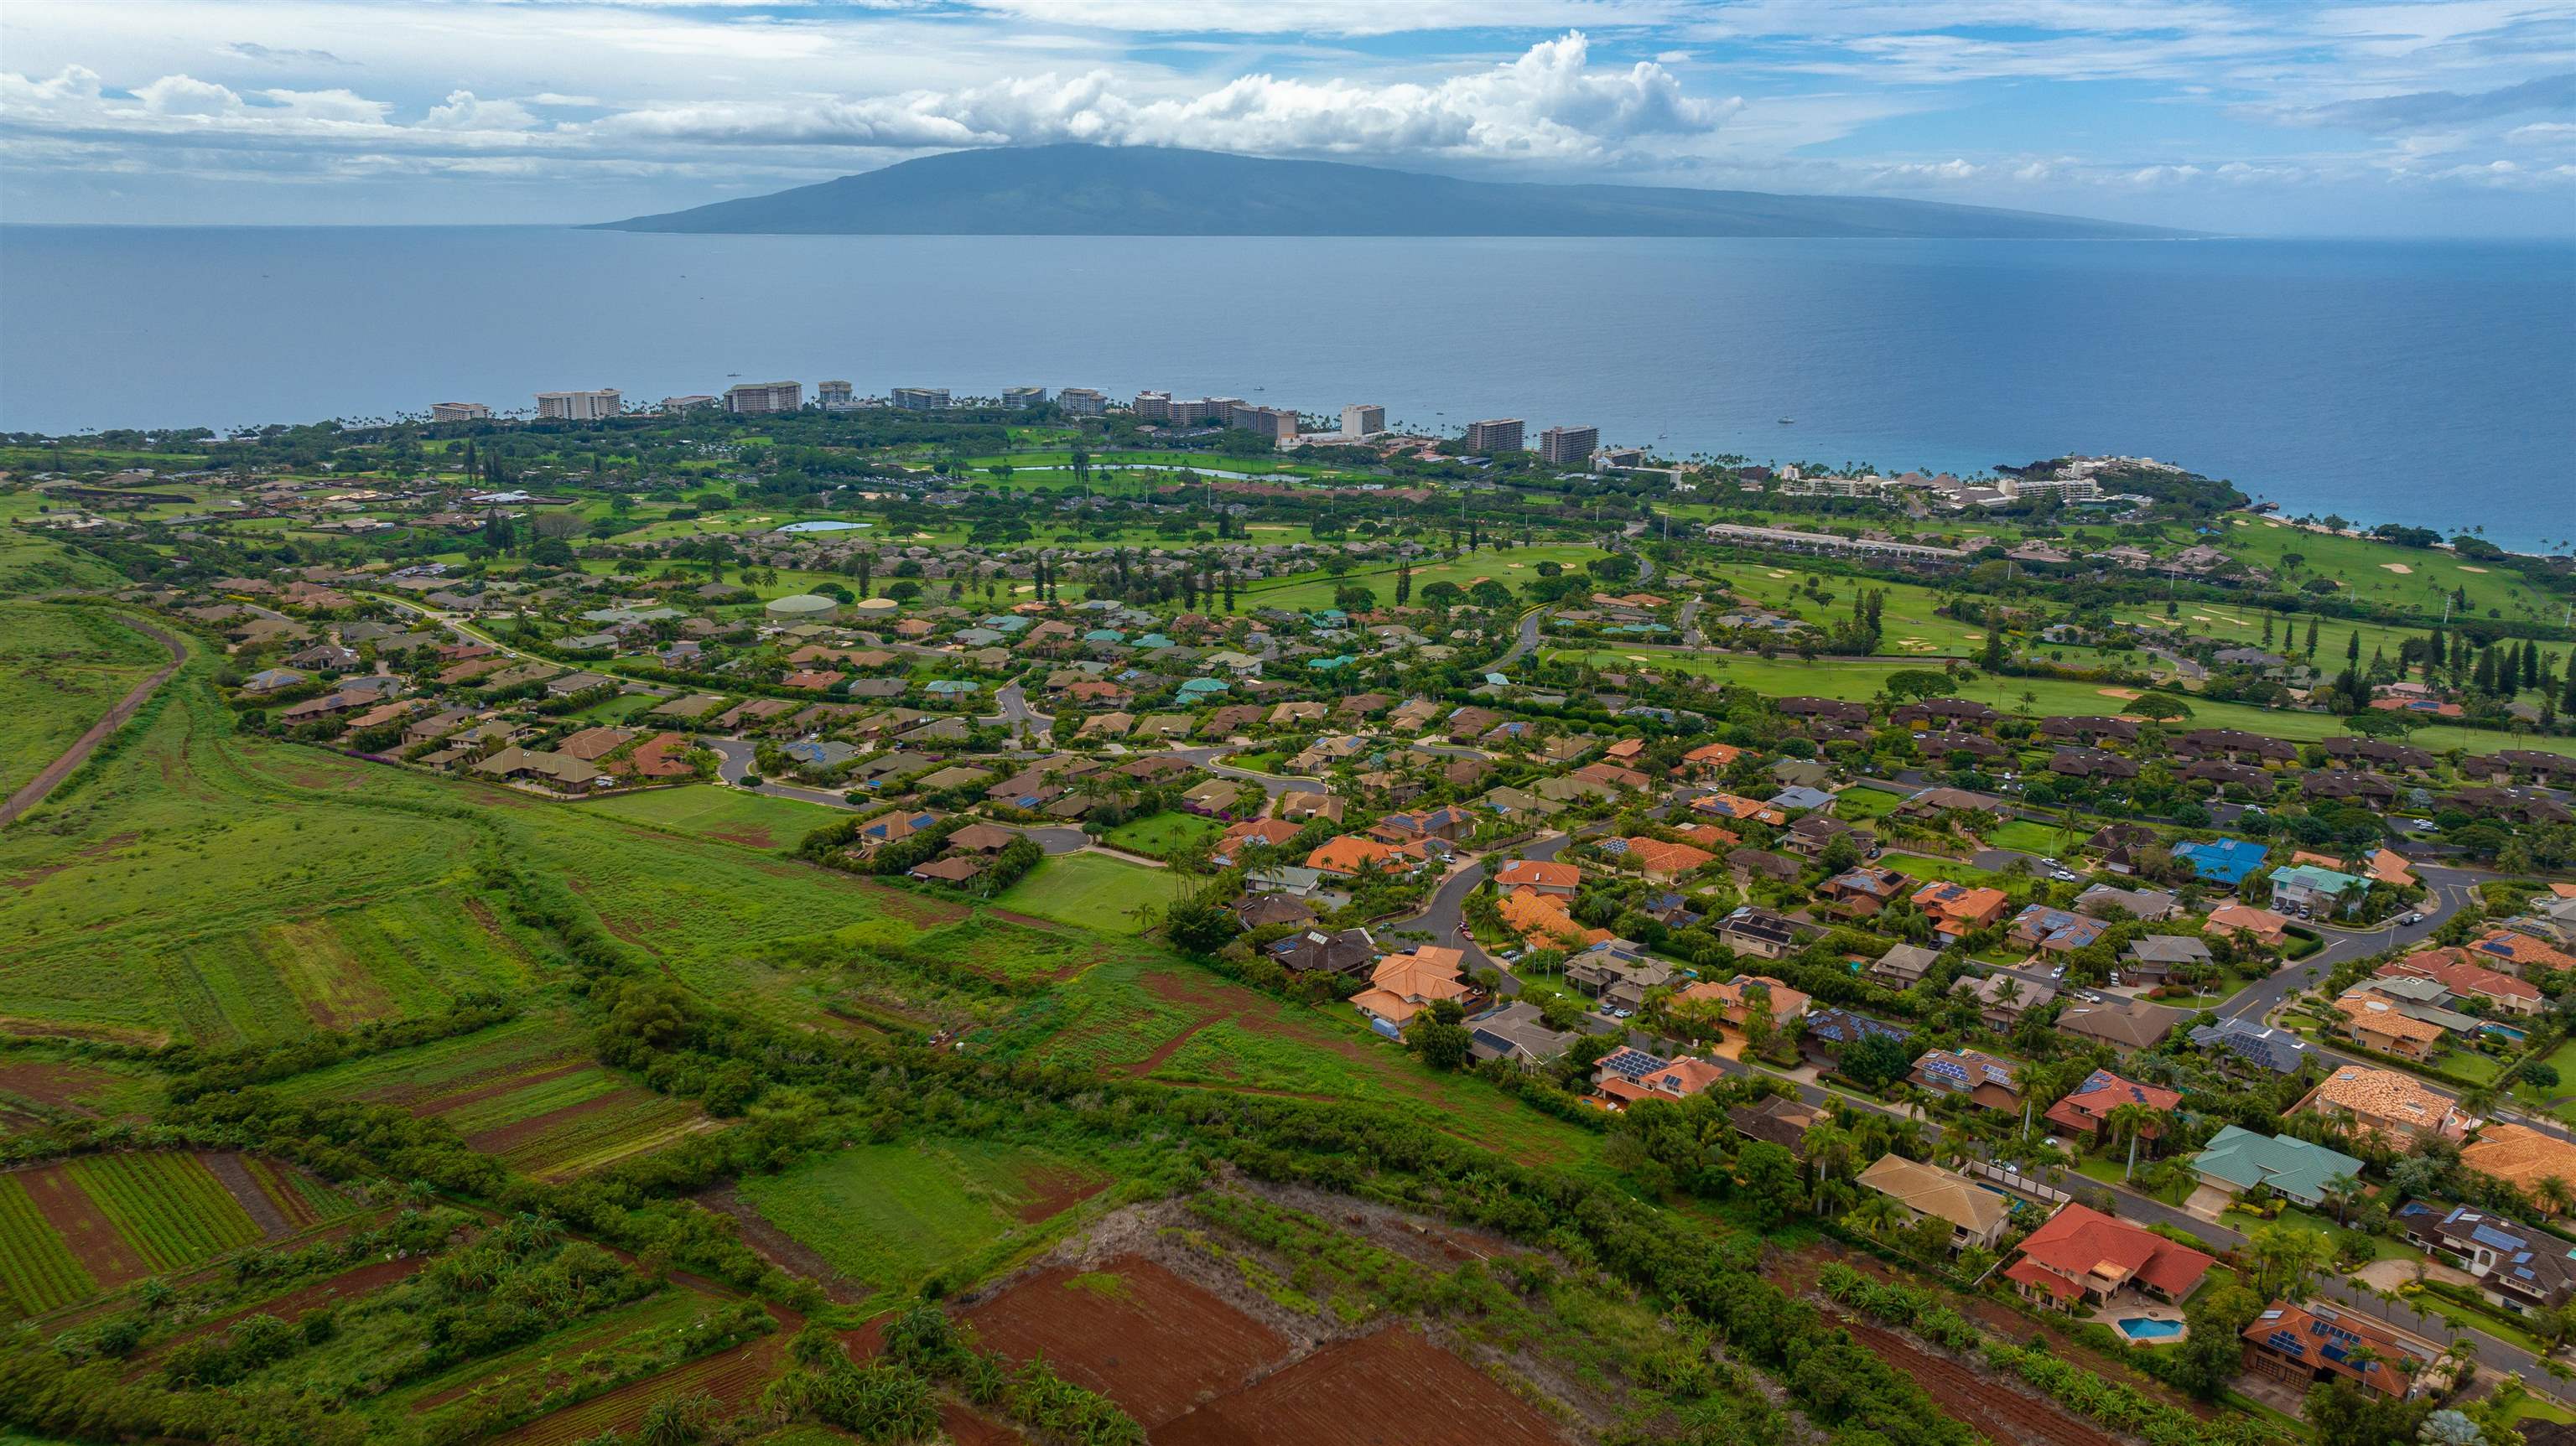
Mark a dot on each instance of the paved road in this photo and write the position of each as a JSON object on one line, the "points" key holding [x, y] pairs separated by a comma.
{"points": [[1525, 641], [1688, 621], [1273, 784], [47, 779], [735, 759], [1447, 911]]}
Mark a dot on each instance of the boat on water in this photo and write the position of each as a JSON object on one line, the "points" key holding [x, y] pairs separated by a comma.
{"points": [[1788, 421]]}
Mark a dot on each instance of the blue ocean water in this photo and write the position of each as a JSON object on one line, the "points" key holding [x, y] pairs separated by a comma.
{"points": [[2432, 383]]}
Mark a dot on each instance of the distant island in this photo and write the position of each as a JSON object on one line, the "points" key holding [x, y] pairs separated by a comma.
{"points": [[1083, 190]]}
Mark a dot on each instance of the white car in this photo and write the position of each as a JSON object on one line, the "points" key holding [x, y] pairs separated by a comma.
{"points": [[2413, 918], [2057, 973]]}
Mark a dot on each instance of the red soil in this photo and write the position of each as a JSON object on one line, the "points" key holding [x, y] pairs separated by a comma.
{"points": [[1393, 1388], [61, 1086], [296, 1304], [733, 1377], [965, 1428], [507, 1137], [1058, 1190], [84, 1231], [782, 1249], [494, 1088], [1993, 1410], [1152, 1342]]}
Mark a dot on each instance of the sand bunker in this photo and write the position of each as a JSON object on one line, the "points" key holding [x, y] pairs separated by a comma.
{"points": [[2123, 694], [2398, 568], [2464, 567], [1779, 574]]}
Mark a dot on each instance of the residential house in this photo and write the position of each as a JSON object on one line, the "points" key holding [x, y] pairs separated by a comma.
{"points": [[2054, 931], [2002, 999], [1541, 876], [2087, 1111], [1864, 892], [2237, 1160], [1402, 985], [1351, 854], [2082, 1259], [2305, 889], [1625, 1076], [1734, 999], [1903, 966], [1957, 910], [1977, 1215], [1828, 1032], [2524, 1158], [2456, 972], [2126, 1025], [2224, 862], [1516, 1032], [2380, 1025], [2255, 1048], [2147, 905], [1663, 861], [2152, 959], [1777, 1120], [1809, 837], [2261, 925], [1984, 1079], [2518, 1267], [2299, 1345], [1748, 865], [1764, 933], [2396, 1107]]}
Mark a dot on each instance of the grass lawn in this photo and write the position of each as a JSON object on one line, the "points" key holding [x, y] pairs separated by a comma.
{"points": [[2107, 1170], [1162, 834], [1855, 804], [1957, 871], [755, 820], [1511, 567], [2026, 836], [892, 1215], [1090, 891], [619, 708], [1908, 625]]}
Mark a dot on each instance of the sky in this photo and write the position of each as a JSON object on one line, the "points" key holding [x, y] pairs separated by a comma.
{"points": [[2437, 117]]}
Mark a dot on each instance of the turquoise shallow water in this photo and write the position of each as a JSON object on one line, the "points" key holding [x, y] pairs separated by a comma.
{"points": [[2432, 383]]}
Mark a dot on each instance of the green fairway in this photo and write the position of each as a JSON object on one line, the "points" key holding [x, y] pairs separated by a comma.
{"points": [[1513, 567], [1091, 891]]}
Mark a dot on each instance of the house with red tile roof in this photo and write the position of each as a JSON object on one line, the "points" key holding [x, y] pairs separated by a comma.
{"points": [[1545, 876], [2084, 1258], [1957, 910], [2454, 970], [2087, 1111]]}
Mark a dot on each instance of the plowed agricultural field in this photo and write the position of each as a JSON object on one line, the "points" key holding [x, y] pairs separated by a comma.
{"points": [[1133, 1331], [72, 1230], [1393, 1388], [526, 1091]]}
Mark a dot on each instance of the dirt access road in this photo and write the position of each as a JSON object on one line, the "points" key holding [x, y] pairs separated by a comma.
{"points": [[82, 747]]}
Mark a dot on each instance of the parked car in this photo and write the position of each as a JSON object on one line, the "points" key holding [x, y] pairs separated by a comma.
{"points": [[2413, 917]]}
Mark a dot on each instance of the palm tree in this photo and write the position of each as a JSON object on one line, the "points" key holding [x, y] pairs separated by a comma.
{"points": [[1876, 1216], [2133, 1120], [2555, 1193], [2343, 1190]]}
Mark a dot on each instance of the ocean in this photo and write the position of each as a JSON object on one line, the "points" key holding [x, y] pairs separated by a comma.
{"points": [[2429, 383]]}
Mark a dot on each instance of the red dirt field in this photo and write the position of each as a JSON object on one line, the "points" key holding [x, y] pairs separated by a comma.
{"points": [[500, 1082], [61, 1086], [1133, 1331], [1394, 1388], [1991, 1409], [84, 1231], [966, 1428], [519, 1132], [1057, 1190]]}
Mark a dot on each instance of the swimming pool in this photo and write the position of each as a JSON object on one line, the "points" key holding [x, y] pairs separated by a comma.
{"points": [[2148, 1328]]}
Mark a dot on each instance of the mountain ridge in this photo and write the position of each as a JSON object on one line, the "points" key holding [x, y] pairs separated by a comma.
{"points": [[1073, 189]]}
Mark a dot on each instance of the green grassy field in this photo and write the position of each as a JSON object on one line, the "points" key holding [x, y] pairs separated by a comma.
{"points": [[1859, 681], [1158, 836], [1512, 568], [31, 564], [2367, 570], [1922, 866], [60, 669], [755, 820], [892, 1215], [1908, 626], [1090, 891]]}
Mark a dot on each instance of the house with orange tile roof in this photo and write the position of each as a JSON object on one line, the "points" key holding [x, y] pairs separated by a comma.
{"points": [[1711, 758], [2386, 866], [1544, 876], [1625, 752], [1957, 910], [2082, 1258], [2455, 971], [2514, 953], [1708, 836], [1659, 860], [1728, 805], [2396, 1107], [2087, 1111], [2376, 1024], [2299, 1345], [1403, 985], [2521, 1157], [2264, 926], [1351, 854], [1251, 833], [1611, 775], [1733, 998], [1542, 921]]}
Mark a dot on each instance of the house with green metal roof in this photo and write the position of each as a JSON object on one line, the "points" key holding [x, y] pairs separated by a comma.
{"points": [[2237, 1160], [2308, 889]]}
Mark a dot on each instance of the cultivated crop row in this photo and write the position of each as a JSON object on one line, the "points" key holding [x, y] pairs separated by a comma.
{"points": [[37, 1272], [170, 1207]]}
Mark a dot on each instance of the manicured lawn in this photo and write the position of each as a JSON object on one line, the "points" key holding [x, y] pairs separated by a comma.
{"points": [[1923, 866], [619, 708], [1162, 834], [1855, 804], [1513, 568], [1091, 891], [2106, 1168], [2025, 836]]}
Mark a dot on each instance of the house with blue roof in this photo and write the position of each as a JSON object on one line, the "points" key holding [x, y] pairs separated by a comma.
{"points": [[1331, 664], [1153, 640], [2237, 1160], [2223, 861], [952, 686], [1203, 687]]}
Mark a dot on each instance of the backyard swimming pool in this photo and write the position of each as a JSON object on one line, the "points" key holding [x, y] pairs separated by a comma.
{"points": [[2148, 1328]]}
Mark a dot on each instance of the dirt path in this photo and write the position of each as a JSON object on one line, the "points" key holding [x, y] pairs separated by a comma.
{"points": [[236, 1179], [782, 1249], [82, 747]]}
